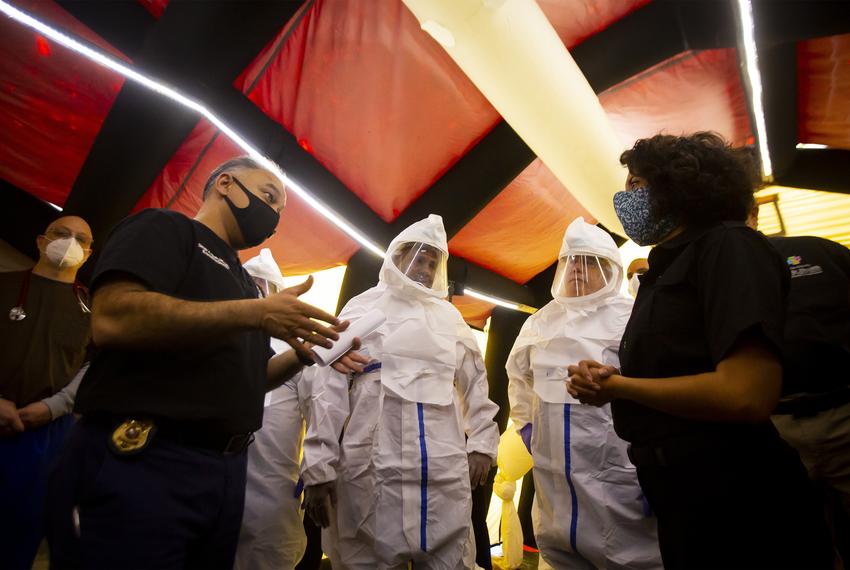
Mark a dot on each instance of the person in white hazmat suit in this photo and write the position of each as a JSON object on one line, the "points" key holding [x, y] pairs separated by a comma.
{"points": [[397, 448], [272, 534], [588, 510]]}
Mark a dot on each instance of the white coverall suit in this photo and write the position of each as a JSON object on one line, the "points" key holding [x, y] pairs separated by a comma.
{"points": [[589, 511], [396, 437], [272, 534]]}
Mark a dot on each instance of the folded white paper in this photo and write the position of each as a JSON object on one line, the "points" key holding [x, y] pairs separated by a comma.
{"points": [[365, 325]]}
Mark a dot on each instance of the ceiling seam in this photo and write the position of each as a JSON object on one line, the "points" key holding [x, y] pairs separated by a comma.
{"points": [[293, 25]]}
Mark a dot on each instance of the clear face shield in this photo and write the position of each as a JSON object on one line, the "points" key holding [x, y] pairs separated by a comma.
{"points": [[422, 263], [266, 287], [583, 275]]}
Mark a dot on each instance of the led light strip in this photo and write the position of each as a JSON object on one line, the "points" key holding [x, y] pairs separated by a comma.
{"points": [[52, 205], [811, 146], [167, 91], [747, 25], [499, 302]]}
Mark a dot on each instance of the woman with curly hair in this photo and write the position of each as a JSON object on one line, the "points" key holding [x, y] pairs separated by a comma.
{"points": [[700, 366]]}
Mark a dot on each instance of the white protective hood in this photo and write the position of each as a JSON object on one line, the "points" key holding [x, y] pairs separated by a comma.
{"points": [[582, 238], [417, 345], [569, 330], [429, 231], [263, 266]]}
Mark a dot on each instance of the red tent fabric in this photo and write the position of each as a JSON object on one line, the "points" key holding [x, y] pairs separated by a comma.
{"points": [[536, 202], [155, 7], [690, 92], [823, 85], [385, 109], [52, 103], [378, 102]]}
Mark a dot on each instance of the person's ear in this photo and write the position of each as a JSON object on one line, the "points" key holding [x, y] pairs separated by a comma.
{"points": [[753, 218], [223, 183]]}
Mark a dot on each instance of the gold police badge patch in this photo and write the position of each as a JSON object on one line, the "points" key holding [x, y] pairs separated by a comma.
{"points": [[132, 436]]}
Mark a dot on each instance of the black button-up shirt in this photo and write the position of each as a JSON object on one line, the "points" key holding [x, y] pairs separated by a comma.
{"points": [[219, 384], [705, 288]]}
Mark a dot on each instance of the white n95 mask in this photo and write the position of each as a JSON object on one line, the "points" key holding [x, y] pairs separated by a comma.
{"points": [[65, 252]]}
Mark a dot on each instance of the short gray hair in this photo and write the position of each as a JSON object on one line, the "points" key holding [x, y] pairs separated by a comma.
{"points": [[232, 164]]}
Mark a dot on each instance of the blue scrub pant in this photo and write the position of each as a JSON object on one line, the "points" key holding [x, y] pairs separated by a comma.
{"points": [[25, 460], [169, 506]]}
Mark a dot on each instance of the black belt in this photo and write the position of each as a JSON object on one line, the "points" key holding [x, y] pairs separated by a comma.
{"points": [[183, 433], [807, 405]]}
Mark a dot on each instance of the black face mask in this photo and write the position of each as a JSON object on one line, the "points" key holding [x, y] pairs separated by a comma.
{"points": [[257, 221]]}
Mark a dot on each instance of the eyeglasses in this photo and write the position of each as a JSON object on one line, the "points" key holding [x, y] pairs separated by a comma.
{"points": [[62, 233]]}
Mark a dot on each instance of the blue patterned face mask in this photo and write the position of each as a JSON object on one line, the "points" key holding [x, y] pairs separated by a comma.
{"points": [[642, 227]]}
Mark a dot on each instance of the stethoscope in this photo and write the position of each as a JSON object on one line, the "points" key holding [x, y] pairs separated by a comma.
{"points": [[17, 313]]}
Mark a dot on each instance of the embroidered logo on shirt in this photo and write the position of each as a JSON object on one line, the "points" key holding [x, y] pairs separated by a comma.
{"points": [[212, 256], [800, 269]]}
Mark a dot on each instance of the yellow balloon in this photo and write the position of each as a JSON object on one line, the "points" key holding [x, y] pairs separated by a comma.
{"points": [[514, 459]]}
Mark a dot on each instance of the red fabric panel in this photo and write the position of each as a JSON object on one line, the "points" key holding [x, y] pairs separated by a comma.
{"points": [[823, 87], [474, 312], [375, 99], [519, 233], [170, 181], [304, 241], [691, 92], [576, 20], [155, 7], [52, 102]]}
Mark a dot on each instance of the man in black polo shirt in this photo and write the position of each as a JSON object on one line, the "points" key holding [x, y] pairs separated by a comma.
{"points": [[814, 412], [154, 474]]}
